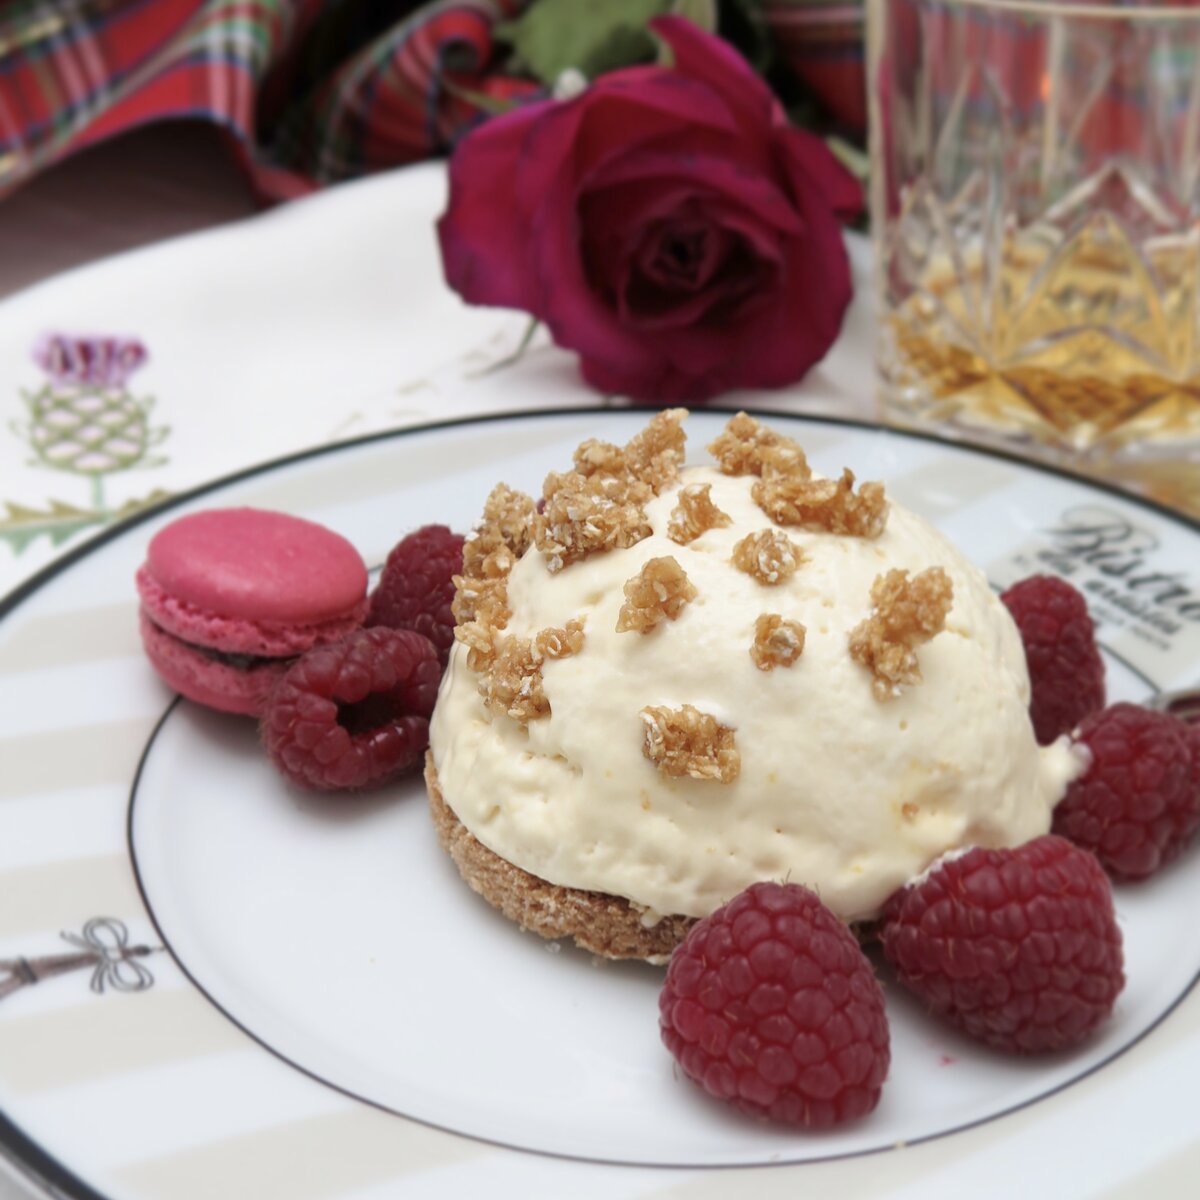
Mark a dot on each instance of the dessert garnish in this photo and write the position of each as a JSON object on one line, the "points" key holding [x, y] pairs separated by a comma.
{"points": [[1018, 948], [1066, 671], [905, 613], [600, 505], [656, 593], [687, 742], [694, 514], [1137, 804], [746, 447], [778, 642], [416, 589], [771, 1005], [823, 505], [354, 713], [512, 683], [480, 604], [769, 556]]}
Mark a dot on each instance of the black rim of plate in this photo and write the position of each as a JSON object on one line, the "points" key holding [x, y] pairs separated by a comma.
{"points": [[41, 1169]]}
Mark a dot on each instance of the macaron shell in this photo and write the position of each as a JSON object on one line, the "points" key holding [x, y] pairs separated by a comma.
{"points": [[205, 680], [239, 635], [251, 564]]}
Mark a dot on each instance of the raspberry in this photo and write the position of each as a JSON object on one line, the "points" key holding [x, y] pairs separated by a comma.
{"points": [[354, 712], [1138, 802], [417, 586], [1018, 948], [770, 1004], [1065, 668]]}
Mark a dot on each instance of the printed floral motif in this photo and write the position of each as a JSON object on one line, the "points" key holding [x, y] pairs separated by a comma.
{"points": [[103, 945], [84, 421]]}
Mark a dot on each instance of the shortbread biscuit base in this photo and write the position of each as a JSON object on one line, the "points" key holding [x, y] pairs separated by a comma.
{"points": [[598, 922]]}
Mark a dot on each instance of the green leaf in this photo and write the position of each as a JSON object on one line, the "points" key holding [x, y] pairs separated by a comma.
{"points": [[552, 35], [21, 525], [851, 157]]}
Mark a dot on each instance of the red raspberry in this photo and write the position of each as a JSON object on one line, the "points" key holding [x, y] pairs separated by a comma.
{"points": [[1018, 948], [355, 712], [416, 588], [1065, 667], [1138, 802], [770, 1004]]}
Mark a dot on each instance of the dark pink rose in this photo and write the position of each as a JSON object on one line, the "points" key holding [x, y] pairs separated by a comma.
{"points": [[667, 224]]}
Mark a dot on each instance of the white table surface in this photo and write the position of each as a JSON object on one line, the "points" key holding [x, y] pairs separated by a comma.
{"points": [[138, 189], [165, 181]]}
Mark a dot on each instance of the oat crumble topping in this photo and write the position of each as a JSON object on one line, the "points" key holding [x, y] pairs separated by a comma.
{"points": [[694, 514], [746, 447], [778, 642], [769, 556], [560, 643], [823, 505], [481, 591], [657, 592], [905, 613], [600, 505], [507, 524], [656, 454], [479, 637], [512, 684], [687, 742]]}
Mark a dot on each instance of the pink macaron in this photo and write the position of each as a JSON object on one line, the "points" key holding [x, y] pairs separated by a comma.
{"points": [[231, 596]]}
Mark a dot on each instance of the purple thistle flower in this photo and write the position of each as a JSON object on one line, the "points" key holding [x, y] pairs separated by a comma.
{"points": [[100, 362]]}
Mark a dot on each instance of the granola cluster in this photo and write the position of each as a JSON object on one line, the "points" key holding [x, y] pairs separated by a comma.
{"points": [[746, 447], [656, 593], [768, 556], [823, 505], [687, 742], [480, 603], [778, 642], [600, 505], [512, 684], [694, 514], [905, 613]]}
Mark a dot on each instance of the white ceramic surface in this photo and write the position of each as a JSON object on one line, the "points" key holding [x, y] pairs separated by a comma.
{"points": [[338, 1016]]}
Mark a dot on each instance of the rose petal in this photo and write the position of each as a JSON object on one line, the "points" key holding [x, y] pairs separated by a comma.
{"points": [[718, 65], [753, 192], [660, 384], [483, 235], [809, 163], [613, 220], [574, 315]]}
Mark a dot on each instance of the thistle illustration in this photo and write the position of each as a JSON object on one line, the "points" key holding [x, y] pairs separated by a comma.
{"points": [[84, 421]]}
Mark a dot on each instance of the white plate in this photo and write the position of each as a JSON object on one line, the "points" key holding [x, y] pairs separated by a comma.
{"points": [[324, 1009]]}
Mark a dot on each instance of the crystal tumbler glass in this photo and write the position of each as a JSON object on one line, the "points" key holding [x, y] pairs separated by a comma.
{"points": [[1036, 215]]}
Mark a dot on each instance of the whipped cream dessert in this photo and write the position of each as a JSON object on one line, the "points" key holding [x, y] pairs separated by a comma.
{"points": [[814, 764]]}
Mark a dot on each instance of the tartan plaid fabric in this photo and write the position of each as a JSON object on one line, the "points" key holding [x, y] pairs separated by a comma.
{"points": [[821, 41], [310, 91]]}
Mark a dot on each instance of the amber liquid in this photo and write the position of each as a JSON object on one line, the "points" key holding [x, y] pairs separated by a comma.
{"points": [[1093, 353]]}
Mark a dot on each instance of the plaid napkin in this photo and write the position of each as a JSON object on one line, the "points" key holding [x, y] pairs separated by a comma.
{"points": [[311, 91]]}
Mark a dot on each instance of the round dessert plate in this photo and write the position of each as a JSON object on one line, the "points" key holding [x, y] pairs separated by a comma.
{"points": [[212, 984]]}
